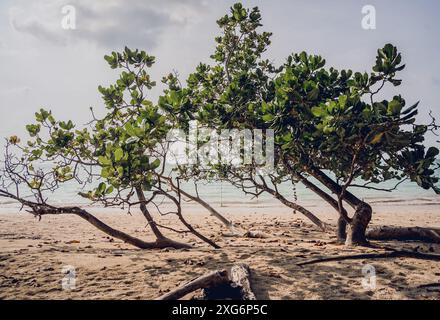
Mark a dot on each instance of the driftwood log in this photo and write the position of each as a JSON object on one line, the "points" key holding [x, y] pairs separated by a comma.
{"points": [[210, 279], [256, 235], [248, 234], [232, 284], [240, 276], [431, 235], [385, 255]]}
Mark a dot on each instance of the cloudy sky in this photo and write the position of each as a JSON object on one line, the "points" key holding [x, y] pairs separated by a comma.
{"points": [[41, 64]]}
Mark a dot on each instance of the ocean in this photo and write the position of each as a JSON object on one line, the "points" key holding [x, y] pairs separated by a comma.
{"points": [[223, 194]]}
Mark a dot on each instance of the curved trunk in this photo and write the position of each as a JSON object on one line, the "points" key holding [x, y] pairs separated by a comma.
{"points": [[162, 241], [147, 215], [203, 203], [158, 244], [358, 225], [39, 210], [363, 211], [208, 207], [184, 222], [196, 233], [299, 208], [341, 231]]}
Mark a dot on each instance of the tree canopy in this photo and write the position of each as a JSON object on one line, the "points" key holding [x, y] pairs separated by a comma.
{"points": [[326, 121]]}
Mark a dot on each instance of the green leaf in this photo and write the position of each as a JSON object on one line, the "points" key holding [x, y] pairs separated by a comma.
{"points": [[33, 129], [268, 117], [313, 95], [318, 111], [109, 190], [303, 57], [87, 195], [104, 161], [342, 101], [119, 153], [332, 105], [130, 130], [132, 140], [105, 172], [155, 164], [394, 107], [285, 146], [287, 137], [101, 188], [120, 171]]}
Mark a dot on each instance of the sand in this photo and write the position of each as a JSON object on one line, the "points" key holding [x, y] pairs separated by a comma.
{"points": [[33, 254]]}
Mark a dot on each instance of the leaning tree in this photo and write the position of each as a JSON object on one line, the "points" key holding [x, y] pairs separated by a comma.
{"points": [[116, 161], [229, 95], [328, 123], [331, 127]]}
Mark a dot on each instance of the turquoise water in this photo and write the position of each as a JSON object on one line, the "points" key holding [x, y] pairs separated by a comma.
{"points": [[224, 194]]}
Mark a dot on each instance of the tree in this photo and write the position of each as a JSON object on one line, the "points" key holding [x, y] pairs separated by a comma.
{"points": [[327, 123], [229, 95], [120, 157], [328, 120]]}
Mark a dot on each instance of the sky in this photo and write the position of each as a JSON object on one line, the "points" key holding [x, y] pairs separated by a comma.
{"points": [[44, 65]]}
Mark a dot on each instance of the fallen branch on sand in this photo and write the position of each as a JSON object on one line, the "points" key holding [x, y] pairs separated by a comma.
{"points": [[210, 279], [430, 285], [392, 254], [256, 235], [247, 234], [240, 276], [409, 234], [234, 283]]}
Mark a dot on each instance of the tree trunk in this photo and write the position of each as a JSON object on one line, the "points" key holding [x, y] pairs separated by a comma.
{"points": [[158, 244], [240, 276], [196, 233], [363, 212], [40, 210], [218, 285], [341, 230], [185, 223], [321, 225], [358, 225], [208, 207], [384, 255], [162, 241], [210, 279], [147, 214]]}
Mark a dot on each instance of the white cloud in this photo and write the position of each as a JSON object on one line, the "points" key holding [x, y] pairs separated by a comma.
{"points": [[109, 24], [64, 67]]}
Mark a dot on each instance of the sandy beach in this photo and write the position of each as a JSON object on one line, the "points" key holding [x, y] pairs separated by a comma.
{"points": [[33, 254]]}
